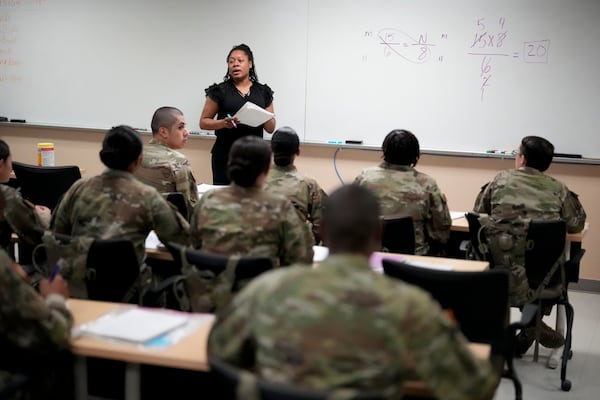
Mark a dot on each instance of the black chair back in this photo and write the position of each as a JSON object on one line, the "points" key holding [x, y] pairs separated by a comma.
{"points": [[545, 245], [478, 249], [178, 200], [112, 271], [45, 185], [478, 300], [398, 235]]}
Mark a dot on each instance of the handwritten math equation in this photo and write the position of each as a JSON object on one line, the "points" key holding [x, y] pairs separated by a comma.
{"points": [[488, 42]]}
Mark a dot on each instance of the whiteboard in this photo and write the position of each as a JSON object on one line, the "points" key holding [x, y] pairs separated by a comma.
{"points": [[463, 75], [96, 64]]}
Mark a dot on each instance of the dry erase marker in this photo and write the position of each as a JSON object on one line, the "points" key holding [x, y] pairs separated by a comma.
{"points": [[232, 121], [55, 271], [335, 142]]}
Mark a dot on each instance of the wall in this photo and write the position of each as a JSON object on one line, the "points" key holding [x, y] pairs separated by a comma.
{"points": [[460, 178]]}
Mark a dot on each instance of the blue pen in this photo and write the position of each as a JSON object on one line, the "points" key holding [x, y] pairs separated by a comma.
{"points": [[55, 271], [232, 121]]}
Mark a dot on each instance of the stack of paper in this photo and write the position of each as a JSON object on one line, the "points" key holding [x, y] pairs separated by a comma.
{"points": [[253, 115]]}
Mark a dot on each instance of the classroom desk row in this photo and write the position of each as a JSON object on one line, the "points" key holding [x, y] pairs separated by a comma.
{"points": [[189, 353]]}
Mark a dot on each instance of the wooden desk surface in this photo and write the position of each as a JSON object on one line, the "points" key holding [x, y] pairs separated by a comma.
{"points": [[458, 264], [461, 225], [188, 353]]}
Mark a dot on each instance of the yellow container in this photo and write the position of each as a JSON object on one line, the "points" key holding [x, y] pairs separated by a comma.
{"points": [[45, 154]]}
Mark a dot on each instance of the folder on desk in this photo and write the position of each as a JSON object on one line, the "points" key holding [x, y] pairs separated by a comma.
{"points": [[132, 324]]}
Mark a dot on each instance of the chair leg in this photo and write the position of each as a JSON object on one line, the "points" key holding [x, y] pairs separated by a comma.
{"points": [[538, 325], [511, 374], [565, 384]]}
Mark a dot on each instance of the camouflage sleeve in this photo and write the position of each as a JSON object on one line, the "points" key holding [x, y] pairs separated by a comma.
{"points": [[195, 239], [61, 221], [483, 201], [573, 213], [27, 319], [317, 198], [439, 352], [168, 224], [296, 247], [439, 223], [186, 184], [21, 215]]}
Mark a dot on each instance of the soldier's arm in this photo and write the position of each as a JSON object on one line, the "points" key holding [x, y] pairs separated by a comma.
{"points": [[483, 201], [186, 184], [36, 323], [573, 213], [438, 226], [168, 224], [296, 246]]}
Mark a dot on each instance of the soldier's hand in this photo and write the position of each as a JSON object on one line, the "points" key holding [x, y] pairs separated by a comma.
{"points": [[57, 285]]}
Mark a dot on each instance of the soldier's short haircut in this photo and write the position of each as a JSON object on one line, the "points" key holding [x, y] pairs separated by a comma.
{"points": [[351, 218], [401, 147], [4, 150], [121, 146], [164, 117], [285, 144], [249, 157], [538, 152]]}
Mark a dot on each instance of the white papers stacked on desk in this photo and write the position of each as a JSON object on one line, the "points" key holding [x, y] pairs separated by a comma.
{"points": [[457, 214], [153, 242], [132, 324], [253, 115], [205, 187]]}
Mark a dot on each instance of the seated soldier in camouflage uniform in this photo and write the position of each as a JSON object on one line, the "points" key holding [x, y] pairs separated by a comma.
{"points": [[16, 214], [305, 193], [117, 205], [163, 167], [512, 199], [402, 190], [244, 219], [34, 328], [342, 326]]}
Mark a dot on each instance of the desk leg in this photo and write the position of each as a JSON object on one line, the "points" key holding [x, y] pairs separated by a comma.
{"points": [[132, 381], [81, 386]]}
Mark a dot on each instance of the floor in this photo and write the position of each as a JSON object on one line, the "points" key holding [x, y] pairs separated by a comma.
{"points": [[583, 370]]}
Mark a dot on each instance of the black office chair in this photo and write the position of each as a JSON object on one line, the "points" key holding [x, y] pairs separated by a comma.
{"points": [[479, 302], [96, 269], [208, 281], [548, 275], [228, 378], [178, 200], [45, 185], [398, 235]]}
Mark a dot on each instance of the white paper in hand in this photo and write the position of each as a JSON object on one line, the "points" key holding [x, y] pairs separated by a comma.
{"points": [[253, 115]]}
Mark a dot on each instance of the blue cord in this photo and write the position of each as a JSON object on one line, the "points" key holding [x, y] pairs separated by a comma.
{"points": [[335, 165]]}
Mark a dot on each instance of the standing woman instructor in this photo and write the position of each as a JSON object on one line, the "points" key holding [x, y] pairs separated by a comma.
{"points": [[224, 99]]}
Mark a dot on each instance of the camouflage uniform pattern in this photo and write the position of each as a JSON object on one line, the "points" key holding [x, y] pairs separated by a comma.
{"points": [[512, 200], [250, 221], [341, 325], [168, 170], [27, 321], [19, 216], [402, 190], [116, 205], [305, 194]]}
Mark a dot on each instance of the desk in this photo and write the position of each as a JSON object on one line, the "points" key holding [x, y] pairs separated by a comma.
{"points": [[189, 353]]}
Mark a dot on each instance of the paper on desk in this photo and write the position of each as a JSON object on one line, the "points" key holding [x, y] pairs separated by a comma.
{"points": [[253, 115], [153, 242], [457, 214], [132, 324]]}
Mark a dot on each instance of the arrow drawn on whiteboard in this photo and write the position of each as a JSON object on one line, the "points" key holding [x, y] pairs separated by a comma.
{"points": [[402, 44]]}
